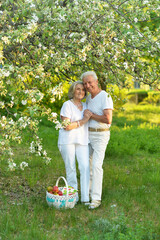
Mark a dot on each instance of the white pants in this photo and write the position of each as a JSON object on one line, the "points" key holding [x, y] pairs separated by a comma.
{"points": [[97, 148], [71, 152]]}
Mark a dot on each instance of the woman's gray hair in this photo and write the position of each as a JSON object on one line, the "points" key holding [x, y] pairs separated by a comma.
{"points": [[72, 89], [89, 73]]}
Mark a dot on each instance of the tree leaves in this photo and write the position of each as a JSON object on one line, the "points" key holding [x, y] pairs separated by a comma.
{"points": [[44, 43]]}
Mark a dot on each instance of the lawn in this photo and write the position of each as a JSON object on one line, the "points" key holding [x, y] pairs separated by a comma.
{"points": [[131, 188]]}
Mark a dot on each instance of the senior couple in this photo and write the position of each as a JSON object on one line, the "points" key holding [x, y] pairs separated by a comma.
{"points": [[86, 137]]}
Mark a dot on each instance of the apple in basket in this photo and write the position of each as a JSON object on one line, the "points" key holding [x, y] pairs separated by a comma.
{"points": [[55, 189], [49, 189], [60, 193]]}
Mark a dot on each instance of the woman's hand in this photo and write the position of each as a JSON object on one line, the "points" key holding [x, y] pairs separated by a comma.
{"points": [[87, 113]]}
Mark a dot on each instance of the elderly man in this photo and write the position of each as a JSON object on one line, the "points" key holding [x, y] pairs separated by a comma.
{"points": [[101, 105]]}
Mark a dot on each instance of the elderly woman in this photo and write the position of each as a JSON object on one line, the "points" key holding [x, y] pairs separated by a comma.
{"points": [[73, 140]]}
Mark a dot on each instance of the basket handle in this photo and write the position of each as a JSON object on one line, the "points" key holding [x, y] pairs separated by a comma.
{"points": [[65, 183]]}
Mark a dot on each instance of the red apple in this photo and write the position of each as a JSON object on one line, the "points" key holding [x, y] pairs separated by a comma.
{"points": [[55, 189], [60, 193]]}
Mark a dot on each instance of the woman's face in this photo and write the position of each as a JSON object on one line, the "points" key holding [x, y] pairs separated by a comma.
{"points": [[79, 92]]}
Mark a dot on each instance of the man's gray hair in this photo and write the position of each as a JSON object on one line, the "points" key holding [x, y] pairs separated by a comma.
{"points": [[89, 73], [72, 89]]}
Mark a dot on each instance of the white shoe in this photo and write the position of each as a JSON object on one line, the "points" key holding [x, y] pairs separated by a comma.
{"points": [[94, 204], [86, 203]]}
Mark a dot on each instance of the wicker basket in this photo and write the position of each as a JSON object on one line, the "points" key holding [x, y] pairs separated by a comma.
{"points": [[59, 202]]}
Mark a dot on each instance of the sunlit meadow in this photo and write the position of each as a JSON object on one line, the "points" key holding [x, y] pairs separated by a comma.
{"points": [[131, 188]]}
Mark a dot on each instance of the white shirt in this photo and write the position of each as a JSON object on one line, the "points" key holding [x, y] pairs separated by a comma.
{"points": [[78, 135], [96, 105]]}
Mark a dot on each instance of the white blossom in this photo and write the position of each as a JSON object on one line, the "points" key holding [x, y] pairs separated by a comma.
{"points": [[114, 205], [6, 74], [32, 5], [125, 65], [83, 39], [2, 143], [65, 54], [54, 114], [11, 165], [136, 20], [11, 122], [35, 18], [44, 153], [33, 100], [23, 165], [71, 35], [47, 159], [2, 105], [24, 102], [58, 126], [5, 40], [61, 18]]}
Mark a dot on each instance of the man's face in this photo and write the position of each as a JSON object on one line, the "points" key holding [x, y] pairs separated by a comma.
{"points": [[90, 84]]}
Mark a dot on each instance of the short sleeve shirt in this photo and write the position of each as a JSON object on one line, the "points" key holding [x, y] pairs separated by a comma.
{"points": [[96, 105], [78, 135]]}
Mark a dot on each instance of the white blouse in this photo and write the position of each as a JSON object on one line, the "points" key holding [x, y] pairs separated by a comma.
{"points": [[78, 135]]}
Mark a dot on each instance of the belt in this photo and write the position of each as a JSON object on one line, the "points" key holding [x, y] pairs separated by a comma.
{"points": [[98, 129]]}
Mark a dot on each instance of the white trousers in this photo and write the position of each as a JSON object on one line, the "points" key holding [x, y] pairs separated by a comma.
{"points": [[97, 148], [71, 152]]}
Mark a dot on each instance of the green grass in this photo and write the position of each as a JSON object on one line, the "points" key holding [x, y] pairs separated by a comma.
{"points": [[131, 188]]}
